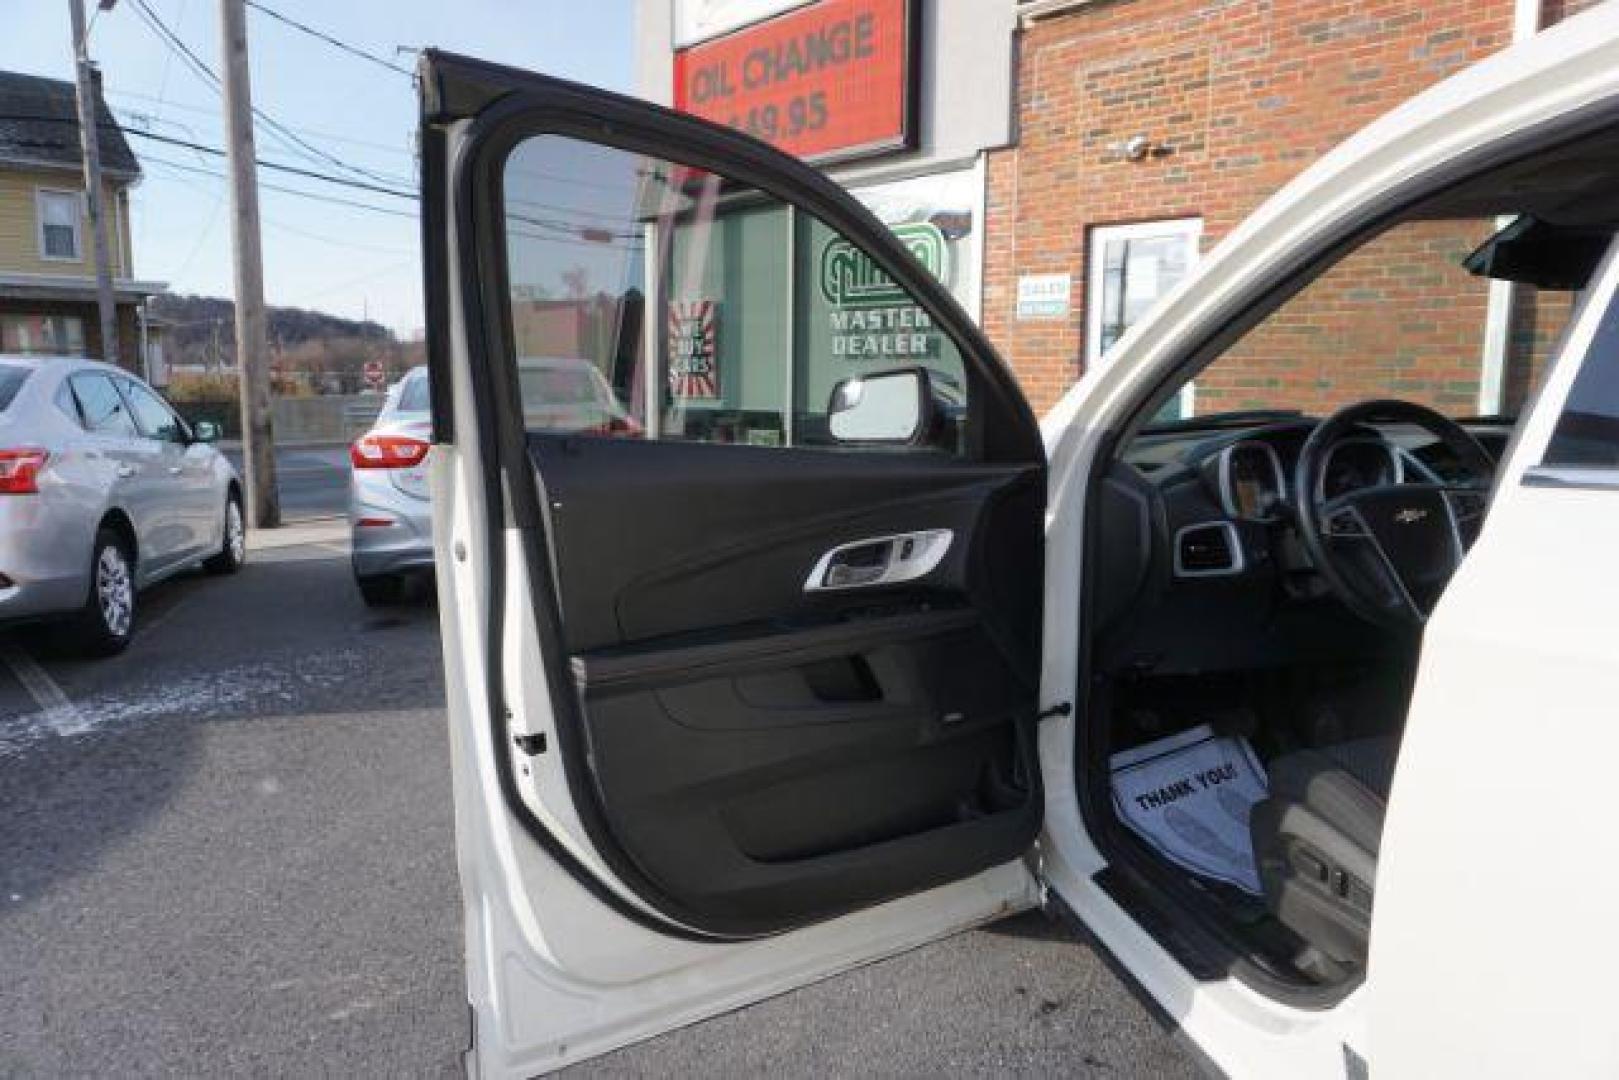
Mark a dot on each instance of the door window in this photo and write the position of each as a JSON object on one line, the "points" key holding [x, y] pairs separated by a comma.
{"points": [[1587, 433], [654, 300], [156, 419], [100, 405]]}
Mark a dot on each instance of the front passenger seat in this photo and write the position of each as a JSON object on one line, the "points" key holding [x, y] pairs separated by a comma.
{"points": [[1316, 838]]}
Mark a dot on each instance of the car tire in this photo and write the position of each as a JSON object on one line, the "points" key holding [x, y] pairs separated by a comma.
{"points": [[107, 622], [383, 590], [233, 549]]}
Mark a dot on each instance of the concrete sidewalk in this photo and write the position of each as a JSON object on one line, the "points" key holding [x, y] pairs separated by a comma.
{"points": [[327, 530]]}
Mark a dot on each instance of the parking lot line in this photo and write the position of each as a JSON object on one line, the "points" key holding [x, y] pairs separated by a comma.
{"points": [[56, 712]]}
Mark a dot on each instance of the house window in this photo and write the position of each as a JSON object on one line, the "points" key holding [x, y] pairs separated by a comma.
{"points": [[1131, 267], [60, 215], [42, 335]]}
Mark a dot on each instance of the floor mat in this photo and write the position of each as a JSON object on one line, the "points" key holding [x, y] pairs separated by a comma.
{"points": [[1189, 797]]}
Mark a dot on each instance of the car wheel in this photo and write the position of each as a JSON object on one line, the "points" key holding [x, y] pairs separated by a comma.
{"points": [[233, 549], [107, 622], [383, 590]]}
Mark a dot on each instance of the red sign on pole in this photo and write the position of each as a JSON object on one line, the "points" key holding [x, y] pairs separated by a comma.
{"points": [[830, 82]]}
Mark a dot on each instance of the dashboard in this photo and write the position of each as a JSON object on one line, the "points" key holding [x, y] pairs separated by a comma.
{"points": [[1202, 568]]}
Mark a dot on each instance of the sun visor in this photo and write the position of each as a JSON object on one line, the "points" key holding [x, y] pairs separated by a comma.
{"points": [[1538, 253]]}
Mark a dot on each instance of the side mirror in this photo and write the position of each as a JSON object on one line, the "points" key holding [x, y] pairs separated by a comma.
{"points": [[884, 407], [205, 431]]}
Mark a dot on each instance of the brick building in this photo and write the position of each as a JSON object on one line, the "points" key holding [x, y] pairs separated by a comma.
{"points": [[1147, 129], [1079, 156]]}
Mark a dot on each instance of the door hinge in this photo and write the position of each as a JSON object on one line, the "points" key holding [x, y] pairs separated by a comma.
{"points": [[532, 745], [1062, 708]]}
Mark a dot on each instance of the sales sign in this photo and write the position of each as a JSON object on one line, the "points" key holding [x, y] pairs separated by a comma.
{"points": [[694, 371], [829, 82]]}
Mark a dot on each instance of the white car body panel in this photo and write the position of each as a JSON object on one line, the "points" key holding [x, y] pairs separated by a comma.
{"points": [[565, 978], [1243, 1032], [555, 976], [1496, 890]]}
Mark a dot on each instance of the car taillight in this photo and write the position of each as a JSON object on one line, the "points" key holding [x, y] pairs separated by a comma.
{"points": [[19, 471], [388, 452]]}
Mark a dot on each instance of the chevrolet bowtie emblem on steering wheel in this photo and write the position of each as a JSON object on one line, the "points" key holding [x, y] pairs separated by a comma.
{"points": [[1409, 516]]}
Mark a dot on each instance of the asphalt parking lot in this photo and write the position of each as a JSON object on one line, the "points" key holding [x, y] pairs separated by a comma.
{"points": [[230, 850]]}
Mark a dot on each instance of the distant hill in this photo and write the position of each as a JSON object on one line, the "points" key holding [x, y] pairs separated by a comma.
{"points": [[198, 325]]}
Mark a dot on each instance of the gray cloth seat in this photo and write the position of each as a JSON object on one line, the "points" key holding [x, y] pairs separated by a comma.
{"points": [[1316, 839]]}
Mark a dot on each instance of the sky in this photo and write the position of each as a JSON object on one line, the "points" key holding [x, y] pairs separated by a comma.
{"points": [[345, 260]]}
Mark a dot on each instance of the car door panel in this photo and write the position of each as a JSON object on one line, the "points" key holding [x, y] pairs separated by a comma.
{"points": [[766, 754], [713, 751], [649, 533]]}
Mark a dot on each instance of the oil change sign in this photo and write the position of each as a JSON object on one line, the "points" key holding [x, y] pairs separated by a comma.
{"points": [[829, 82], [868, 316]]}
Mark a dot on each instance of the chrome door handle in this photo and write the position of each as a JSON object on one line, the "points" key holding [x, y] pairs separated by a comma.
{"points": [[174, 470], [881, 560], [127, 471]]}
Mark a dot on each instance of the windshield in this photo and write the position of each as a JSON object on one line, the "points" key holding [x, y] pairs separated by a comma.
{"points": [[413, 394], [12, 376], [1403, 316]]}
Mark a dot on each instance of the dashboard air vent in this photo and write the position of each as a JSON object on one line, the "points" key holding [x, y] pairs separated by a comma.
{"points": [[1208, 550]]}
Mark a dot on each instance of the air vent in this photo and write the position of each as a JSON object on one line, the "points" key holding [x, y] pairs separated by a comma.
{"points": [[1208, 550]]}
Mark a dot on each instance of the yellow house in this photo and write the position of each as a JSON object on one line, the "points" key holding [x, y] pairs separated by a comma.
{"points": [[47, 256]]}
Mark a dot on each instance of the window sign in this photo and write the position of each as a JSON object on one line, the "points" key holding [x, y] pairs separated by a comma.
{"points": [[1043, 296], [694, 373], [871, 317]]}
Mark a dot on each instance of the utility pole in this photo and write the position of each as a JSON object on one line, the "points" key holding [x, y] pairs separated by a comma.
{"points": [[90, 149], [252, 345]]}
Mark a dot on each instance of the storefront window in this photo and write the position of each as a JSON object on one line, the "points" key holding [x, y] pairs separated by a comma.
{"points": [[42, 335]]}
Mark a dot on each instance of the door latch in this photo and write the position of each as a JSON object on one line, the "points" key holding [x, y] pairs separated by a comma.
{"points": [[881, 560]]}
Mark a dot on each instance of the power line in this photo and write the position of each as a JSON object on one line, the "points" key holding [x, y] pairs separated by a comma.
{"points": [[282, 189], [353, 50], [214, 151], [204, 110], [286, 135], [278, 166], [280, 225], [626, 241]]}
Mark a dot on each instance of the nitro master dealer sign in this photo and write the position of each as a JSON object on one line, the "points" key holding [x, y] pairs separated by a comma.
{"points": [[829, 82]]}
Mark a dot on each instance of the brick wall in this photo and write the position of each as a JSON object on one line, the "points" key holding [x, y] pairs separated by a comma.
{"points": [[1244, 94]]}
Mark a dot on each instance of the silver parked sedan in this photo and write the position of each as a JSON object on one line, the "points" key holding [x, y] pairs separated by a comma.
{"points": [[103, 491], [390, 518]]}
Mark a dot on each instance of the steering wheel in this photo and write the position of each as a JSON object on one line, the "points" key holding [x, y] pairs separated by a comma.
{"points": [[1388, 551]]}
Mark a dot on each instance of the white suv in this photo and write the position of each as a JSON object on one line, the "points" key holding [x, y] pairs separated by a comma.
{"points": [[818, 667]]}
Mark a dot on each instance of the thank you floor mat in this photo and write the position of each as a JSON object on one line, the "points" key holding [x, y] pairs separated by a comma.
{"points": [[1189, 796]]}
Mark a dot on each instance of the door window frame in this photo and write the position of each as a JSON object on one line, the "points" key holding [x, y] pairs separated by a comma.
{"points": [[503, 108], [1187, 229], [128, 389], [86, 376]]}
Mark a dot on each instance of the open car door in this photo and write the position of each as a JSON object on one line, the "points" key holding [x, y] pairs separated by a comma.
{"points": [[739, 539]]}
